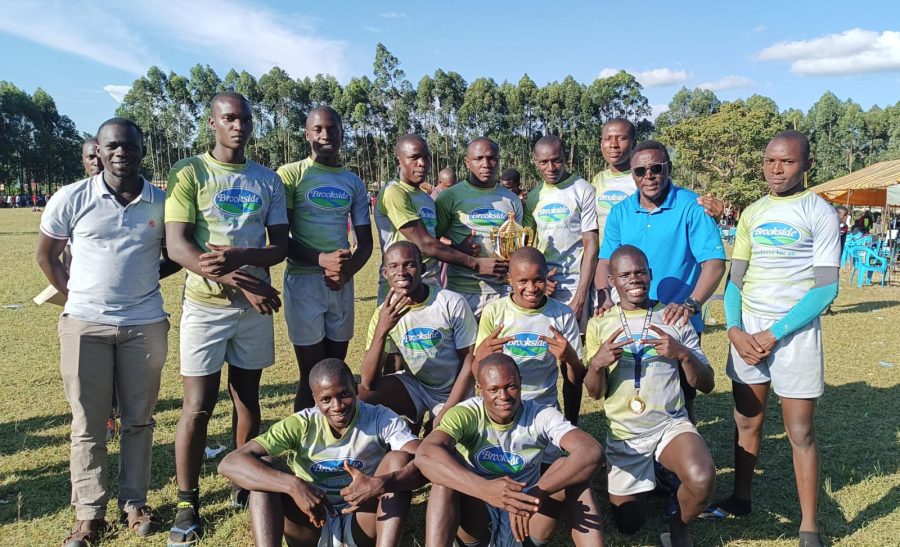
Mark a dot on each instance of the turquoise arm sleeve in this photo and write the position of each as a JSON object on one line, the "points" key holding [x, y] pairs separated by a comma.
{"points": [[808, 308], [733, 303]]}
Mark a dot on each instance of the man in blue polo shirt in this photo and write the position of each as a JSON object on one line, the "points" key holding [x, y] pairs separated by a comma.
{"points": [[681, 241]]}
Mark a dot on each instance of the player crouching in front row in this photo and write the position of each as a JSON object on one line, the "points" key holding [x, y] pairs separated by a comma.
{"points": [[634, 358]]}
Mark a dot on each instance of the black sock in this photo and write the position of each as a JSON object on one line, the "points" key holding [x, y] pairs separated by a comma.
{"points": [[190, 496], [736, 506]]}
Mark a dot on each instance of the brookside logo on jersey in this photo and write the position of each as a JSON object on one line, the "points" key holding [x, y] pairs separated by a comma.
{"points": [[776, 234], [237, 201], [331, 473], [422, 339], [328, 197], [649, 351], [495, 460], [527, 345], [429, 218], [553, 213], [486, 217], [609, 198]]}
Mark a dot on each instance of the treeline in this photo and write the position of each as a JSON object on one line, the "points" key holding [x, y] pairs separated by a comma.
{"points": [[717, 146], [36, 142]]}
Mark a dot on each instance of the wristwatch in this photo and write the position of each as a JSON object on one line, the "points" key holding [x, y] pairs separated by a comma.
{"points": [[693, 305]]}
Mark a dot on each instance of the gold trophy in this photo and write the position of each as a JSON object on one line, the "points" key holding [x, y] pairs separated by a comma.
{"points": [[510, 236]]}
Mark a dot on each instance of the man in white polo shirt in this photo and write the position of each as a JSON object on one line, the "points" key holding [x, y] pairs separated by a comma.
{"points": [[112, 333]]}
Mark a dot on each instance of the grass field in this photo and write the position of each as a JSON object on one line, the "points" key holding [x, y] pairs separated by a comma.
{"points": [[858, 419]]}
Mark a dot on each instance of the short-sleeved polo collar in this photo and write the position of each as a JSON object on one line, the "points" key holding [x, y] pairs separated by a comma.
{"points": [[103, 189], [667, 203]]}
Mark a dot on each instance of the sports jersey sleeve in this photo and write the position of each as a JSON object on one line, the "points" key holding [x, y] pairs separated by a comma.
{"points": [[286, 435], [553, 425], [589, 222], [612, 238], [56, 220], [389, 346], [742, 245], [465, 328], [359, 211], [826, 238], [289, 177], [486, 325], [704, 238], [392, 429], [689, 339], [277, 214], [398, 207], [572, 333], [181, 194], [592, 341], [461, 423], [444, 212]]}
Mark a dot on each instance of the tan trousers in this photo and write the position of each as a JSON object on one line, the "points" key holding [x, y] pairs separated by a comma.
{"points": [[96, 359]]}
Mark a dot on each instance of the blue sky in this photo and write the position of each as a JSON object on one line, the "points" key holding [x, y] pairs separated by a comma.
{"points": [[84, 52]]}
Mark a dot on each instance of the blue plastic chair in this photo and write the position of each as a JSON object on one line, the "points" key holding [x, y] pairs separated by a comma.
{"points": [[866, 261]]}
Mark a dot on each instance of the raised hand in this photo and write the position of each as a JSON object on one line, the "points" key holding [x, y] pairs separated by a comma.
{"points": [[712, 205], [395, 307], [665, 345], [220, 260], [469, 246], [362, 488], [610, 352], [557, 344], [550, 286], [492, 344]]}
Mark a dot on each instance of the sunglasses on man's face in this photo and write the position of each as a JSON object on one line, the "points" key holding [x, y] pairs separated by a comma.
{"points": [[655, 169]]}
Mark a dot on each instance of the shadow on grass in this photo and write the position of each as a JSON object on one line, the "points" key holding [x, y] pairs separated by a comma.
{"points": [[863, 307]]}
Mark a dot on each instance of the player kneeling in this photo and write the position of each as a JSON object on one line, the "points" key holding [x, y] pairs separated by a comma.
{"points": [[484, 462], [634, 366], [339, 475]]}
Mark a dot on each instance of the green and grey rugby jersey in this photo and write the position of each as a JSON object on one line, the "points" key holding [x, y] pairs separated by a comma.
{"points": [[429, 335], [228, 204], [322, 199], [784, 238], [537, 365], [611, 188], [315, 455], [560, 213], [511, 450], [464, 208]]}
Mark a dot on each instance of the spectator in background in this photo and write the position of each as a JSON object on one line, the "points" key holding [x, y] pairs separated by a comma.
{"points": [[446, 179], [511, 179]]}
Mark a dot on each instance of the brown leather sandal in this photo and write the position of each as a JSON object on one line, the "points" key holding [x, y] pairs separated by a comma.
{"points": [[85, 534], [142, 521]]}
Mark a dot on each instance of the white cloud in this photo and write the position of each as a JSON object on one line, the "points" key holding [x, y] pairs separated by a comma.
{"points": [[657, 110], [205, 28], [75, 27], [266, 38], [728, 82], [657, 77], [757, 29], [374, 30], [394, 15], [117, 92], [854, 51]]}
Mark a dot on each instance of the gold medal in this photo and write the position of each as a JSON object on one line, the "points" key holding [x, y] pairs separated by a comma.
{"points": [[636, 404]]}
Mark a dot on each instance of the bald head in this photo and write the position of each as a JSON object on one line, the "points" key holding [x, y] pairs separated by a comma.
{"points": [[225, 97], [500, 362], [483, 161], [409, 140], [447, 177], [528, 255], [549, 142]]}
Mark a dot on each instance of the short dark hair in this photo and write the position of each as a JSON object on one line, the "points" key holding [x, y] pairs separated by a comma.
{"points": [[408, 245], [529, 255], [627, 250], [227, 94], [328, 370], [121, 122], [550, 140], [498, 360], [842, 208], [632, 132], [794, 135], [511, 174], [651, 145], [325, 109], [493, 144], [409, 137]]}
